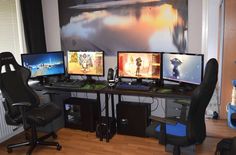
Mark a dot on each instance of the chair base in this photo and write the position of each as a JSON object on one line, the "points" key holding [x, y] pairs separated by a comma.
{"points": [[188, 150], [34, 142]]}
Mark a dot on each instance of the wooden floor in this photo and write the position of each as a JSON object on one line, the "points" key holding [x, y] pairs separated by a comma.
{"points": [[76, 142]]}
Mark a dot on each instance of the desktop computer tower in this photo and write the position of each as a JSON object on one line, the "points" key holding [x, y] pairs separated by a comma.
{"points": [[81, 113], [133, 118]]}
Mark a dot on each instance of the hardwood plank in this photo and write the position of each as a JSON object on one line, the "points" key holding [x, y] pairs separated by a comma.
{"points": [[76, 142]]}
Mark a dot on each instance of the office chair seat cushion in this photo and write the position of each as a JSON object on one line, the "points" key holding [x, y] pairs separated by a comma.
{"points": [[42, 115], [176, 130]]}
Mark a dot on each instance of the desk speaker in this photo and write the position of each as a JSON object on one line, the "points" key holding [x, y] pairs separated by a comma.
{"points": [[133, 118]]}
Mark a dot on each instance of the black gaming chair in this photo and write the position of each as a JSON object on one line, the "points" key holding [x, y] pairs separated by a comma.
{"points": [[22, 103], [193, 130]]}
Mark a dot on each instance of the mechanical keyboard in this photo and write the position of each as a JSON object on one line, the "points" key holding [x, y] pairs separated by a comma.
{"points": [[128, 86], [74, 83]]}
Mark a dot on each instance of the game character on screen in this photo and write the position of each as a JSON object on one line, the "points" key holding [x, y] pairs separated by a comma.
{"points": [[138, 65], [74, 57], [85, 61], [176, 63]]}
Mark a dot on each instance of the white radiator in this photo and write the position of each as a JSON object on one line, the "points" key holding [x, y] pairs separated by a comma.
{"points": [[6, 131]]}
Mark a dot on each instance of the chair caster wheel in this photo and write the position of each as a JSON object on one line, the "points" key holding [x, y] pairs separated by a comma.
{"points": [[9, 150], [59, 147]]}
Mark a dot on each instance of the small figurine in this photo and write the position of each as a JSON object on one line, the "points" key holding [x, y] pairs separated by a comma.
{"points": [[138, 64]]}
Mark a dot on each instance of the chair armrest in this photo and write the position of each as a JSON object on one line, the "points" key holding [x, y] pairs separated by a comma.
{"points": [[163, 120], [22, 106], [25, 104], [50, 93]]}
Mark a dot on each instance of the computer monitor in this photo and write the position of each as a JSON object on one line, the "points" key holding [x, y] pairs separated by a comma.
{"points": [[139, 65], [89, 63], [183, 68], [44, 64]]}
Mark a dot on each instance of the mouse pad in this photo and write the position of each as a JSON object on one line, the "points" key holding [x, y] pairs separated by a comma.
{"points": [[93, 86], [164, 91]]}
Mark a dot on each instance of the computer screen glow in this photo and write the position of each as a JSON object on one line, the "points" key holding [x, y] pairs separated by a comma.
{"points": [[44, 64], [139, 65]]}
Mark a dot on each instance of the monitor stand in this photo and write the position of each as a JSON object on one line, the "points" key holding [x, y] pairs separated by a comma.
{"points": [[43, 80], [89, 80], [139, 82], [159, 83], [183, 87]]}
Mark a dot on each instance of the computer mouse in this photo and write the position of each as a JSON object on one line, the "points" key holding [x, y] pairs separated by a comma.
{"points": [[154, 89]]}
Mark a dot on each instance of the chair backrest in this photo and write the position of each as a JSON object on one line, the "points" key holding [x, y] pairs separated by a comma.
{"points": [[14, 87], [199, 101]]}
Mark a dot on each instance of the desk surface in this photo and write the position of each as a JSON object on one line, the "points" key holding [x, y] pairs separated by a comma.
{"points": [[164, 92], [167, 91]]}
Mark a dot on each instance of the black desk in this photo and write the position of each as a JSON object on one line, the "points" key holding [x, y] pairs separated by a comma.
{"points": [[54, 91], [167, 91]]}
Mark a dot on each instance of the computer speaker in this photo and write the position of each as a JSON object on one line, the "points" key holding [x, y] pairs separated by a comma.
{"points": [[110, 77]]}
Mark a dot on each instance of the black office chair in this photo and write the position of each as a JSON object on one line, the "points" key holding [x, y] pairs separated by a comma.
{"points": [[22, 103], [193, 130]]}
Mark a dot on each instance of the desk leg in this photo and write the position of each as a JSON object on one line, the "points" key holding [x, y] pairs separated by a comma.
{"points": [[99, 105], [99, 117], [119, 98], [112, 106], [162, 139], [107, 117]]}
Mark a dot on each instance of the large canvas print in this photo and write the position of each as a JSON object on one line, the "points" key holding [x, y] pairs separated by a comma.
{"points": [[118, 25]]}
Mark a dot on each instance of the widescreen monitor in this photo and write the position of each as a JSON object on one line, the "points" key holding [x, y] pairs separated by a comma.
{"points": [[186, 68], [44, 64], [140, 65], [89, 63]]}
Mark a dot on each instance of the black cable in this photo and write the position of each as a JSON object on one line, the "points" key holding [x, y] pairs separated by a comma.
{"points": [[105, 105], [156, 105]]}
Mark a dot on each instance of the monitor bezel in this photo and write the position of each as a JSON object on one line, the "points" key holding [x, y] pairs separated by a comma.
{"points": [[103, 61], [181, 81], [145, 52], [46, 53]]}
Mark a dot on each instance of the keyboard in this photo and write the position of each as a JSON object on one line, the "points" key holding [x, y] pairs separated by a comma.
{"points": [[128, 86], [73, 83]]}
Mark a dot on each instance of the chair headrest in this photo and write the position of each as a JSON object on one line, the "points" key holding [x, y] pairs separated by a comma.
{"points": [[7, 58], [211, 71]]}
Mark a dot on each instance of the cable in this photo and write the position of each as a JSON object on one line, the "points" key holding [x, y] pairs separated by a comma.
{"points": [[86, 95], [162, 107], [156, 105], [105, 104]]}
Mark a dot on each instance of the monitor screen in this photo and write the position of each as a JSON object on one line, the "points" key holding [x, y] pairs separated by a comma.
{"points": [[144, 65], [44, 64], [85, 62], [187, 68]]}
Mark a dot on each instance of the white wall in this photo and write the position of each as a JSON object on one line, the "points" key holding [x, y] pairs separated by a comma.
{"points": [[213, 28], [195, 26], [51, 24]]}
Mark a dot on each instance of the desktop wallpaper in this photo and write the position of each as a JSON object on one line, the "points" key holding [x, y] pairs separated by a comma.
{"points": [[141, 65], [118, 25], [185, 68], [85, 63], [44, 64]]}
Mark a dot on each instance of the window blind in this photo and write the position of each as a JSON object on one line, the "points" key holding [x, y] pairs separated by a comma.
{"points": [[9, 38]]}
